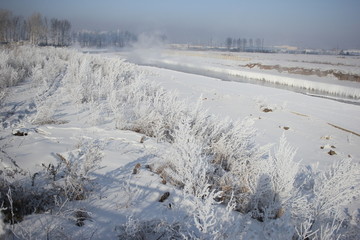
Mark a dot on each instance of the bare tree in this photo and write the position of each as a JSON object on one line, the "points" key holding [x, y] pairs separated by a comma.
{"points": [[251, 43], [65, 27], [238, 44], [46, 31], [60, 32], [36, 29], [24, 32], [4, 25], [244, 43], [258, 44], [15, 28], [228, 43]]}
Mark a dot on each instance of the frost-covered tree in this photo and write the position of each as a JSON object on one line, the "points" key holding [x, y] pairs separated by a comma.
{"points": [[102, 39], [37, 30], [60, 32]]}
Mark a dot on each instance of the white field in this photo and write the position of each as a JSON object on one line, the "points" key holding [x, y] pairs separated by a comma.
{"points": [[233, 66], [51, 109]]}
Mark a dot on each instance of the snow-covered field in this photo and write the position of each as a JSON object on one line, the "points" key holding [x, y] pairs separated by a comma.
{"points": [[337, 76], [90, 144]]}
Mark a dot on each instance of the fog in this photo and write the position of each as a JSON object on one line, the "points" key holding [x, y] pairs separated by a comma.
{"points": [[311, 24]]}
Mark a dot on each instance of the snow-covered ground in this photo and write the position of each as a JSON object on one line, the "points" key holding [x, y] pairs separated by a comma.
{"points": [[314, 121], [314, 74], [104, 140], [310, 120]]}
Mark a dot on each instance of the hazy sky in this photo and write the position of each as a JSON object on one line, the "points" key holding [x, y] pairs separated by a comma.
{"points": [[306, 23]]}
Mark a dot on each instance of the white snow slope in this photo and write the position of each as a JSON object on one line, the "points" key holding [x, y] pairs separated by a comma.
{"points": [[90, 144]]}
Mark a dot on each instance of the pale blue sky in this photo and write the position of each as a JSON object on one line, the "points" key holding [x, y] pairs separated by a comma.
{"points": [[307, 23]]}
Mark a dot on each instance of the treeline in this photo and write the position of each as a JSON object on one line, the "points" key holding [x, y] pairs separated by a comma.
{"points": [[244, 44], [39, 30], [105, 39], [36, 29]]}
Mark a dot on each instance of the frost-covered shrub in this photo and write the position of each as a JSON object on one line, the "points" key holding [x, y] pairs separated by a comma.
{"points": [[71, 174], [145, 107], [275, 192], [9, 76], [135, 229], [332, 191], [205, 217], [20, 198], [38, 192], [19, 63], [187, 167], [91, 78]]}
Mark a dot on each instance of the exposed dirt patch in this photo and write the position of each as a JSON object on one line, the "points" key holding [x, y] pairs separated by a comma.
{"points": [[136, 168], [51, 122], [164, 197], [326, 137], [20, 133], [266, 110], [305, 71], [332, 152], [325, 63]]}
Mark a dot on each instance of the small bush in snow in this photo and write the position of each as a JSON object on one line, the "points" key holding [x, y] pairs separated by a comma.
{"points": [[135, 229], [68, 180], [72, 172]]}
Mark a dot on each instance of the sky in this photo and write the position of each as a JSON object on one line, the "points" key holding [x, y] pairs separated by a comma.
{"points": [[305, 23]]}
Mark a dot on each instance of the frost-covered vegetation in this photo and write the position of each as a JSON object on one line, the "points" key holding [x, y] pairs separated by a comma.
{"points": [[230, 187]]}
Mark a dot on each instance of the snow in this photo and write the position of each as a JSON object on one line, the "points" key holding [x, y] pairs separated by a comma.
{"points": [[120, 202], [307, 117], [233, 67]]}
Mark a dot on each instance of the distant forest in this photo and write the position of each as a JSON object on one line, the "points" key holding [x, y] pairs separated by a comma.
{"points": [[104, 38], [41, 31], [244, 44]]}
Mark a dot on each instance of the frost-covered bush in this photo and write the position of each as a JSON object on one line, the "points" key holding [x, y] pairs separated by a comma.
{"points": [[9, 76], [19, 63], [145, 107], [333, 190], [187, 166], [135, 229], [20, 198], [92, 78], [42, 66], [71, 174], [38, 192]]}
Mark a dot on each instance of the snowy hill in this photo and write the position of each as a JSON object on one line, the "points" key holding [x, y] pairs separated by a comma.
{"points": [[93, 147]]}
